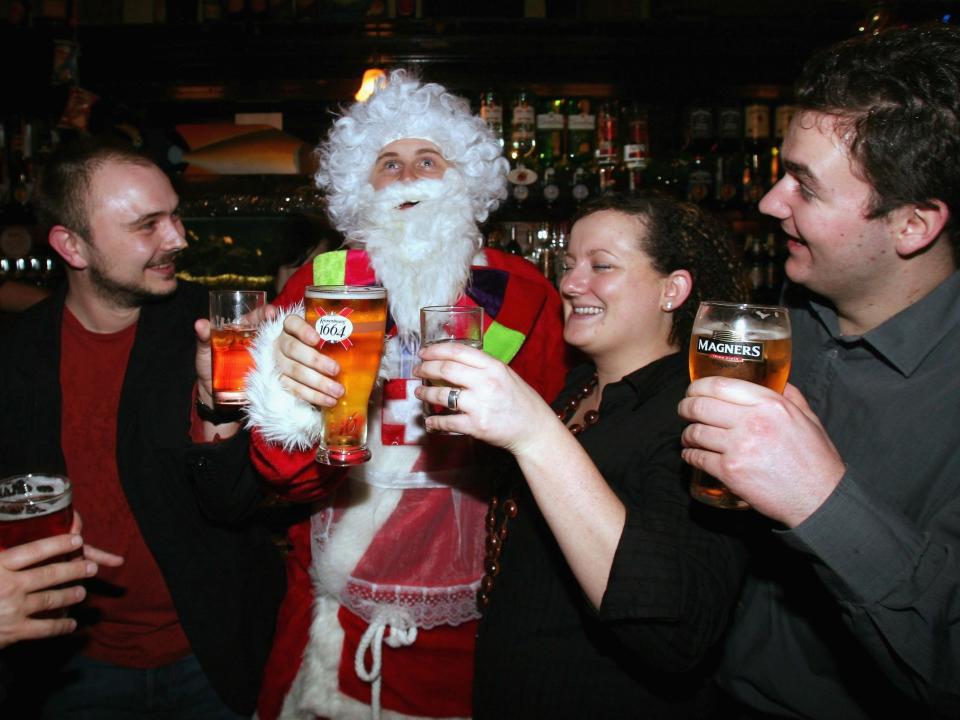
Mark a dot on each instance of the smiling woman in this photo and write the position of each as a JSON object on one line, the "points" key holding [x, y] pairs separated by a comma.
{"points": [[605, 590]]}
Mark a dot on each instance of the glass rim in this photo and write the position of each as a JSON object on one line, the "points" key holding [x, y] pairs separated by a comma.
{"points": [[452, 308], [742, 305], [335, 291], [223, 292], [28, 497]]}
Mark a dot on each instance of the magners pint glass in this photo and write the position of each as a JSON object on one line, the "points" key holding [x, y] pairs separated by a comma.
{"points": [[234, 316], [739, 340], [350, 320], [33, 507]]}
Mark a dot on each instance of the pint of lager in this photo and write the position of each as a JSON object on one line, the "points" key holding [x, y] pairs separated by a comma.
{"points": [[34, 507], [351, 321], [748, 342], [233, 326]]}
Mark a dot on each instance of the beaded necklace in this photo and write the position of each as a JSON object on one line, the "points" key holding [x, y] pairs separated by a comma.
{"points": [[497, 531]]}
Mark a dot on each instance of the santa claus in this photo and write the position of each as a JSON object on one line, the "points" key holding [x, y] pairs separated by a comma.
{"points": [[380, 613]]}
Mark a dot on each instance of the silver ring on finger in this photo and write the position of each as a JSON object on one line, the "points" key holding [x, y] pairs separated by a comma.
{"points": [[452, 397]]}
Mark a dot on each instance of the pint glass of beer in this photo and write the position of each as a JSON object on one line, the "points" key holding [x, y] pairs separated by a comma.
{"points": [[749, 342], [233, 326], [351, 320], [34, 507], [449, 324]]}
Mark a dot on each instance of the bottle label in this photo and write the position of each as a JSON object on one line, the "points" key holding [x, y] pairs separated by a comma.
{"points": [[607, 151], [550, 121], [522, 176], [491, 114], [520, 192], [728, 347], [757, 119], [729, 125], [523, 115], [701, 123], [782, 119], [335, 327], [634, 153], [551, 192], [580, 192], [582, 122]]}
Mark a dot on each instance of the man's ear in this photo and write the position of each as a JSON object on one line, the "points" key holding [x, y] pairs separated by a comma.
{"points": [[918, 228], [70, 246]]}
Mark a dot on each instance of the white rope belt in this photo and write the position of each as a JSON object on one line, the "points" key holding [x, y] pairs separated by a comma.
{"points": [[372, 640]]}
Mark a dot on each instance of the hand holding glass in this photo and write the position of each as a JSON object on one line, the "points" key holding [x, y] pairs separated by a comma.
{"points": [[449, 324], [233, 326], [351, 320], [738, 340]]}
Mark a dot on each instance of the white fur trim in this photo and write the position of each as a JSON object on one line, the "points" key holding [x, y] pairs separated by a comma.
{"points": [[315, 690], [282, 418]]}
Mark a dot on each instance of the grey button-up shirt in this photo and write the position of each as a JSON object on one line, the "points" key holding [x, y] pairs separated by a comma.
{"points": [[856, 612]]}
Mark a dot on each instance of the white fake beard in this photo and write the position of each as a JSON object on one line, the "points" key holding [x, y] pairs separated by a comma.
{"points": [[421, 255]]}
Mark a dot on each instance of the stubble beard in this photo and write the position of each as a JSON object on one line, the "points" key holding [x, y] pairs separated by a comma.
{"points": [[122, 294]]}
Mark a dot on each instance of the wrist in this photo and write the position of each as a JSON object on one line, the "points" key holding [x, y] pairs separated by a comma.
{"points": [[217, 416]]}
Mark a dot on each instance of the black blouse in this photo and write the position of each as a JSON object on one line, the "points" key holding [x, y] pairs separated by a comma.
{"points": [[544, 652]]}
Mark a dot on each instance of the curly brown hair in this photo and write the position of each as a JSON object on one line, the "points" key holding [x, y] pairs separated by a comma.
{"points": [[681, 236]]}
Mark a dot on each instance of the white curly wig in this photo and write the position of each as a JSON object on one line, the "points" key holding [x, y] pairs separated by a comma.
{"points": [[403, 107]]}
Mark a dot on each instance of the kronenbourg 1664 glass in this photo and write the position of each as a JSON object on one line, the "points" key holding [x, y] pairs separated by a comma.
{"points": [[749, 342], [351, 320]]}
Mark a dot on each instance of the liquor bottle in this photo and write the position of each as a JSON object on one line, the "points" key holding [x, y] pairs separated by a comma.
{"points": [[512, 246], [636, 148], [774, 269], [781, 121], [551, 127], [608, 146], [697, 155], [755, 259], [491, 112], [523, 149], [756, 166], [257, 9], [728, 159], [16, 216], [581, 138], [280, 10]]}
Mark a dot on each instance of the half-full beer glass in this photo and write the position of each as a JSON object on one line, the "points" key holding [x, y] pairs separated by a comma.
{"points": [[233, 326], [34, 506], [351, 320], [739, 340], [449, 324]]}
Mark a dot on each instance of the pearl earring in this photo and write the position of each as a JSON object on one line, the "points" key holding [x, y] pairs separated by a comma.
{"points": [[668, 306]]}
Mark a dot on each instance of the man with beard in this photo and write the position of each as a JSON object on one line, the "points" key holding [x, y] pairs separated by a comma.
{"points": [[382, 579], [101, 382]]}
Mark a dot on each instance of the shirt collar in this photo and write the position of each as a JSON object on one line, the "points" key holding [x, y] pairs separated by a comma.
{"points": [[646, 381], [905, 339]]}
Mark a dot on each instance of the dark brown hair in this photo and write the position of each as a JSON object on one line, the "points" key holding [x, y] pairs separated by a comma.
{"points": [[681, 236]]}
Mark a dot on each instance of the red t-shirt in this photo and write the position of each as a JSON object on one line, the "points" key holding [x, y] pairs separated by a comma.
{"points": [[136, 623]]}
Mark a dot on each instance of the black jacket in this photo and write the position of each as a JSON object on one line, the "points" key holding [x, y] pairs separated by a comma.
{"points": [[193, 504]]}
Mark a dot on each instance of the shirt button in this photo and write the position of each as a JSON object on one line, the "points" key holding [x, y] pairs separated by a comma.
{"points": [[832, 353]]}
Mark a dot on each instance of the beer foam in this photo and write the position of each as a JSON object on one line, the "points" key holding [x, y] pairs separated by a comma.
{"points": [[34, 495], [342, 292]]}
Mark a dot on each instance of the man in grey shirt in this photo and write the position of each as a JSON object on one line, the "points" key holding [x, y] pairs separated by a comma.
{"points": [[852, 608]]}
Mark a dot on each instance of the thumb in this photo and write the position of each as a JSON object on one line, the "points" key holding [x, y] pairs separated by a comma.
{"points": [[202, 328]]}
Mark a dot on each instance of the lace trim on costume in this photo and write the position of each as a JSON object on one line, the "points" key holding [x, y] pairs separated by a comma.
{"points": [[412, 606]]}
